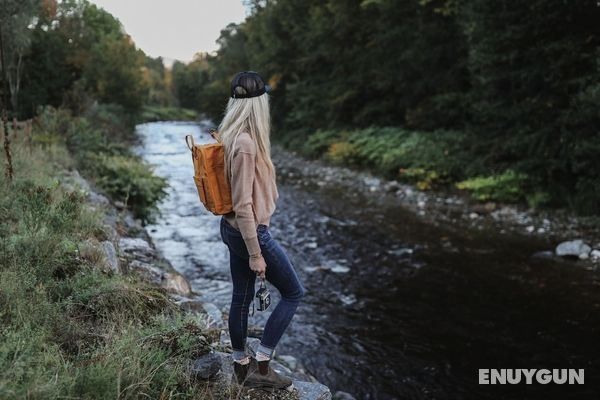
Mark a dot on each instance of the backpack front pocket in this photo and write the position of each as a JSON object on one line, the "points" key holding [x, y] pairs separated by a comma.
{"points": [[203, 191]]}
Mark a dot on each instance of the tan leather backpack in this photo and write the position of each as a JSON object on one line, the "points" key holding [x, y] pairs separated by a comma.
{"points": [[209, 174]]}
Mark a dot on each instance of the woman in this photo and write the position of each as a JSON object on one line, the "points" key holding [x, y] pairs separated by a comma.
{"points": [[244, 132]]}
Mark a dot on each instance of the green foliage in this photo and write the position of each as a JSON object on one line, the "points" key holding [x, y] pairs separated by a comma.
{"points": [[77, 52], [495, 84], [430, 157], [130, 180], [114, 168], [319, 142], [68, 329], [423, 179], [156, 79], [114, 73], [155, 113], [343, 153], [93, 297], [15, 17], [505, 187]]}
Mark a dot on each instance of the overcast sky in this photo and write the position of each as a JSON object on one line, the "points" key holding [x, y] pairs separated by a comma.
{"points": [[175, 29]]}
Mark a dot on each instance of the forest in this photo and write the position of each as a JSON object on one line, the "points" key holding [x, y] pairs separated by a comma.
{"points": [[499, 98]]}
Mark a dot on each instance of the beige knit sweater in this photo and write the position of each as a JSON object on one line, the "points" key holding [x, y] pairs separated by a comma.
{"points": [[253, 191]]}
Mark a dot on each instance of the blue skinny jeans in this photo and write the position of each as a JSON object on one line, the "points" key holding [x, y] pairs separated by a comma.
{"points": [[279, 272]]}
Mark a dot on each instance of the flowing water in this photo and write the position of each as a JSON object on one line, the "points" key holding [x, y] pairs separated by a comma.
{"points": [[396, 308]]}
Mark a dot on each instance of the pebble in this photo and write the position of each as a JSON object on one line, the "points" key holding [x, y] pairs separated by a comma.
{"points": [[401, 252], [312, 269], [347, 299], [340, 269], [543, 254]]}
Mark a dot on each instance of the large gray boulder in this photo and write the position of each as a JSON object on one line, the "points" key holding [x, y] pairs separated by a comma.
{"points": [[573, 248], [339, 395]]}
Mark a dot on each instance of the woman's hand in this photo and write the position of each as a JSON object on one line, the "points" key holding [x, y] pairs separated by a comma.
{"points": [[259, 266]]}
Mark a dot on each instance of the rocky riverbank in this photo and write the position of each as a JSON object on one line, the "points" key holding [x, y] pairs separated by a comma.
{"points": [[128, 249], [563, 234]]}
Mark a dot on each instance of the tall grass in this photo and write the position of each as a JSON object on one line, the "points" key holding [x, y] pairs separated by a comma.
{"points": [[69, 329], [99, 144]]}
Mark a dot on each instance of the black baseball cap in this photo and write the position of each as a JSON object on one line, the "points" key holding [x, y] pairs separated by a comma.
{"points": [[252, 84]]}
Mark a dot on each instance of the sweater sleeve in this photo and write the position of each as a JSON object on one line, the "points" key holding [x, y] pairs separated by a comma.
{"points": [[243, 173]]}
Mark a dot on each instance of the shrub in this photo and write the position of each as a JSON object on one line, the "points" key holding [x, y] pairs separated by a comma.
{"points": [[423, 179], [317, 144], [505, 187], [96, 297], [97, 146], [156, 113], [342, 153], [427, 158], [128, 179]]}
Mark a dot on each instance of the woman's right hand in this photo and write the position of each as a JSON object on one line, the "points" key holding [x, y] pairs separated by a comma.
{"points": [[259, 266]]}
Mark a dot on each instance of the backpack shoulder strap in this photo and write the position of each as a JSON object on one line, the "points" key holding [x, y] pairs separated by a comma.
{"points": [[215, 134], [189, 140]]}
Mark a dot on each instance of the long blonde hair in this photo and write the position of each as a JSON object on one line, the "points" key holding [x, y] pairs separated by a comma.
{"points": [[253, 116]]}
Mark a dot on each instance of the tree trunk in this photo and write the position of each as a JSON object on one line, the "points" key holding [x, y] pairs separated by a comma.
{"points": [[9, 166]]}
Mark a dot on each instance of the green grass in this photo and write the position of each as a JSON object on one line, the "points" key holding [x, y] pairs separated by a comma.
{"points": [[69, 328], [425, 158], [100, 151], [505, 187], [429, 160], [158, 113]]}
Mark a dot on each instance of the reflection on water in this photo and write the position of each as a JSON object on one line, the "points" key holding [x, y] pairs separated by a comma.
{"points": [[395, 308]]}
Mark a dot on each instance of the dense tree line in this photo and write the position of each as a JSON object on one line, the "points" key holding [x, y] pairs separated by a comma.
{"points": [[72, 53], [517, 81]]}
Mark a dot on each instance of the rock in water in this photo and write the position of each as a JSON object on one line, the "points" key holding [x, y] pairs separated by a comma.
{"points": [[339, 395], [206, 367], [573, 248]]}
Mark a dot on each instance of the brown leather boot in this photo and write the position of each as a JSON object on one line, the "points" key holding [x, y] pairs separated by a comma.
{"points": [[265, 377], [240, 372]]}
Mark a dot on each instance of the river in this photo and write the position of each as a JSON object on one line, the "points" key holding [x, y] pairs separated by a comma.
{"points": [[396, 307]]}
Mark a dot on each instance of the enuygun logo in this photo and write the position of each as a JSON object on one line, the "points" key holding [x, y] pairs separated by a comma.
{"points": [[529, 376]]}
